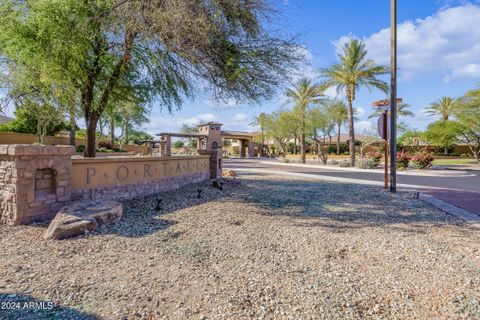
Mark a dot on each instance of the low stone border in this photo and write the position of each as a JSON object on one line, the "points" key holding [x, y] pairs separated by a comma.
{"points": [[432, 173], [451, 209]]}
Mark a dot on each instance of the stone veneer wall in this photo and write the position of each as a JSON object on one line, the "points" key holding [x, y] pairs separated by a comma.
{"points": [[34, 182], [138, 189], [215, 162]]}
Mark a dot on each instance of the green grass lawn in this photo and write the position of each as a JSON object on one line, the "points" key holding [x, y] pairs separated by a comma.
{"points": [[462, 161]]}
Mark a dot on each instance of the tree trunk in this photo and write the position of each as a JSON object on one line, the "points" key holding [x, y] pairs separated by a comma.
{"points": [[304, 144], [445, 150], [351, 132], [112, 131], [91, 117], [295, 145], [91, 123], [126, 132], [338, 139], [71, 128], [39, 132]]}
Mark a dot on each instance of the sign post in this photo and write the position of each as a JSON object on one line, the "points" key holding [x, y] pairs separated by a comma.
{"points": [[384, 131]]}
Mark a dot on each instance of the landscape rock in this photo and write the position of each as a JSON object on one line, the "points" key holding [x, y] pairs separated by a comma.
{"points": [[80, 217]]}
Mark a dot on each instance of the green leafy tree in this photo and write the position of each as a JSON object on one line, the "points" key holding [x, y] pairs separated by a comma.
{"points": [[410, 138], [160, 49], [443, 134], [353, 72], [261, 121], [37, 119], [443, 107], [138, 137], [187, 129], [278, 126], [179, 144], [321, 123], [304, 94], [340, 115], [467, 115]]}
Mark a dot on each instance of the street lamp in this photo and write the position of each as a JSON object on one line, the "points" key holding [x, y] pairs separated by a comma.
{"points": [[393, 96]]}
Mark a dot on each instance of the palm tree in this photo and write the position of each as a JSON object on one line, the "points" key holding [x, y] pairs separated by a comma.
{"points": [[353, 71], [304, 94], [402, 111], [261, 121], [340, 115], [443, 107]]}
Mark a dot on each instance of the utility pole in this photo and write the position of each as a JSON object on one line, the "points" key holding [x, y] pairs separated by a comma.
{"points": [[393, 96]]}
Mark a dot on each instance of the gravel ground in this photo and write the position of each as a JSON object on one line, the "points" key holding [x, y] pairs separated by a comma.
{"points": [[263, 248]]}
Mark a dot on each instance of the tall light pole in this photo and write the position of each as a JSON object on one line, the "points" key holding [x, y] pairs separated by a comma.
{"points": [[393, 96]]}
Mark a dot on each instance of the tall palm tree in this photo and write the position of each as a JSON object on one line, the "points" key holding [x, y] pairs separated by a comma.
{"points": [[340, 115], [443, 107], [304, 94], [402, 111], [352, 72], [261, 121]]}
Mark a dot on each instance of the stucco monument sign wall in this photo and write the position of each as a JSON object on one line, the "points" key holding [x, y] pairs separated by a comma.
{"points": [[37, 181], [129, 177]]}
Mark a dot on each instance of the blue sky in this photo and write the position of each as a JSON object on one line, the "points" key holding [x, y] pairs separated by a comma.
{"points": [[439, 55]]}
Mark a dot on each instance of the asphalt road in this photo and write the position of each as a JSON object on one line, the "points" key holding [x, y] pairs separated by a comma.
{"points": [[467, 183]]}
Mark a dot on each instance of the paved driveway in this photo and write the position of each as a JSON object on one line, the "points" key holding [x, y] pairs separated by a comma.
{"points": [[461, 191]]}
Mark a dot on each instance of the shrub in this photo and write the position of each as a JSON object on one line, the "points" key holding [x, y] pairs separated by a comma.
{"points": [[105, 144], [333, 162], [179, 144], [422, 160], [103, 150], [455, 154], [344, 164], [80, 148], [464, 155], [375, 156], [403, 158], [332, 149], [365, 164]]}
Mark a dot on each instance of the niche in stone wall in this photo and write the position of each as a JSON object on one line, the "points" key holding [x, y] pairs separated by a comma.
{"points": [[45, 186]]}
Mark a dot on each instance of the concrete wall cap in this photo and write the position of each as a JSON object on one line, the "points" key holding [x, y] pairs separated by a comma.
{"points": [[35, 149]]}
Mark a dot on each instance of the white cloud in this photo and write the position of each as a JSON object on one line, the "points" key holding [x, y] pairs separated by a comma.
{"points": [[170, 123], [446, 43], [333, 94], [240, 117], [306, 69], [364, 126], [359, 111]]}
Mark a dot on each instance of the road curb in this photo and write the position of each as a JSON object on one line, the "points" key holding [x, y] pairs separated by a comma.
{"points": [[451, 209], [457, 174]]}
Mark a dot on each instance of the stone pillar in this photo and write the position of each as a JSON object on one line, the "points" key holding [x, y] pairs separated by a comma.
{"points": [[243, 154], [215, 162], [34, 182], [165, 146], [251, 149]]}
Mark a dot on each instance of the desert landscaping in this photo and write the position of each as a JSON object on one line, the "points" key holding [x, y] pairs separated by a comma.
{"points": [[252, 250]]}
